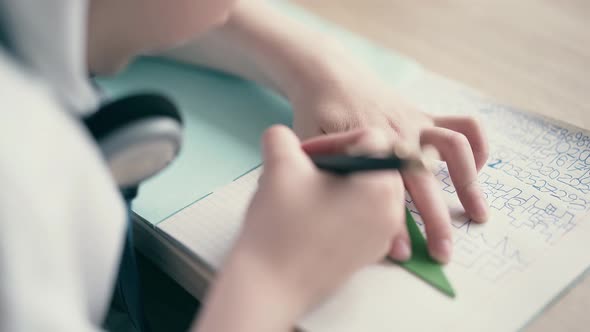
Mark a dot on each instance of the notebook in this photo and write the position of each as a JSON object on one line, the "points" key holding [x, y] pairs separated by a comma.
{"points": [[505, 272], [535, 244]]}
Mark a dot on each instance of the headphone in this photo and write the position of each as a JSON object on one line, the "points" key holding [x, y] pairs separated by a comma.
{"points": [[139, 135]]}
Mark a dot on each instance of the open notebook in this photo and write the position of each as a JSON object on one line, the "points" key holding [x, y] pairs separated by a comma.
{"points": [[537, 182]]}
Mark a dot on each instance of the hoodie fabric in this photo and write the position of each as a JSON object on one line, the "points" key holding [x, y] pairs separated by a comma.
{"points": [[50, 37], [62, 221]]}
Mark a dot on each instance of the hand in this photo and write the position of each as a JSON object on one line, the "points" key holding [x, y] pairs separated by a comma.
{"points": [[334, 101], [312, 230]]}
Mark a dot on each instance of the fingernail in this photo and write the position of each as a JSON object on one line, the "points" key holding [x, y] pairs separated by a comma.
{"points": [[481, 206], [400, 250], [478, 210], [482, 210], [442, 250]]}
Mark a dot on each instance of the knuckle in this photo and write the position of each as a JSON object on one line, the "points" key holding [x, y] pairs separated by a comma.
{"points": [[357, 121], [467, 186], [333, 124], [395, 125], [472, 123], [456, 141], [375, 141], [333, 119], [475, 127]]}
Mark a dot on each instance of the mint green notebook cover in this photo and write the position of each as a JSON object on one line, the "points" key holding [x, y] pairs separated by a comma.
{"points": [[224, 118]]}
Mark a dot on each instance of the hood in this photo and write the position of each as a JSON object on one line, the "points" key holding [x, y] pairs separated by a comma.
{"points": [[49, 36]]}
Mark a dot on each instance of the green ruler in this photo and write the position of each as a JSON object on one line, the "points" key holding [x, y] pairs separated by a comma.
{"points": [[421, 264]]}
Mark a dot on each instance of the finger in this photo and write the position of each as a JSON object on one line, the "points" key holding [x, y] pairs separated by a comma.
{"points": [[383, 181], [376, 142], [456, 151], [474, 132], [401, 250], [425, 193], [282, 148], [355, 142], [388, 185], [332, 143]]}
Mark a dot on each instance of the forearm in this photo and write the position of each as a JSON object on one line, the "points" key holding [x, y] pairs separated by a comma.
{"points": [[262, 44], [245, 297]]}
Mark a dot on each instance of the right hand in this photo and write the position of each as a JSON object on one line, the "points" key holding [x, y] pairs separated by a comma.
{"points": [[311, 230]]}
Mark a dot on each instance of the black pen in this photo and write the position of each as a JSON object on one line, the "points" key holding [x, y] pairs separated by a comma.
{"points": [[345, 164]]}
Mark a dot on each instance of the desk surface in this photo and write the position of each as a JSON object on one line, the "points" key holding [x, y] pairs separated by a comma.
{"points": [[532, 54]]}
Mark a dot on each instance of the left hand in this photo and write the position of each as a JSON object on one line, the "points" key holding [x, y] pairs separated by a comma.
{"points": [[345, 102]]}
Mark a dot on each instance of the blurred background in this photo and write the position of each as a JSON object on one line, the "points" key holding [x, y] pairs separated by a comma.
{"points": [[533, 54]]}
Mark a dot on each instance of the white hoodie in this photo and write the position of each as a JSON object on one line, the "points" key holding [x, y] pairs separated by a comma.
{"points": [[62, 221]]}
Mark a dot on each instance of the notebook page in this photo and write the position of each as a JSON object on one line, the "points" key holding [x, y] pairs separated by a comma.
{"points": [[537, 182], [210, 226]]}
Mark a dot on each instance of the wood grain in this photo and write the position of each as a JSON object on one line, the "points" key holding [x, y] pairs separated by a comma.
{"points": [[532, 54]]}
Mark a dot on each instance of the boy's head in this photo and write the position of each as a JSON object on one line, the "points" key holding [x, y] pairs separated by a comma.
{"points": [[119, 30]]}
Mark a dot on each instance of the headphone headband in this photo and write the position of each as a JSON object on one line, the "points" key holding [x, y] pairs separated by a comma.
{"points": [[121, 112]]}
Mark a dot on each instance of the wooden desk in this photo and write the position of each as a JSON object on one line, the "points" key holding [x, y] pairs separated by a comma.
{"points": [[532, 54]]}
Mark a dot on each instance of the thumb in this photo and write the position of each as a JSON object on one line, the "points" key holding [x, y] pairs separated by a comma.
{"points": [[281, 147]]}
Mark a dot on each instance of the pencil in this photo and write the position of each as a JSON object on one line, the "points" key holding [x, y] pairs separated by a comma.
{"points": [[344, 164]]}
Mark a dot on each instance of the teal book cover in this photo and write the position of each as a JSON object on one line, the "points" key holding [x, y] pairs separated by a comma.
{"points": [[224, 118]]}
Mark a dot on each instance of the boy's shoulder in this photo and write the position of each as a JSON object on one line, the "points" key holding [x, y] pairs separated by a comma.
{"points": [[18, 84]]}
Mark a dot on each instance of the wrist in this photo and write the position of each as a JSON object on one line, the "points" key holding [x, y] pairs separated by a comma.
{"points": [[290, 57], [324, 73], [312, 77], [266, 277], [248, 296]]}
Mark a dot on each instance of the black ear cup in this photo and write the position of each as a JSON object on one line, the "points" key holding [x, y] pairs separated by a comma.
{"points": [[138, 135]]}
